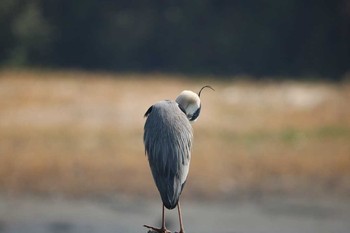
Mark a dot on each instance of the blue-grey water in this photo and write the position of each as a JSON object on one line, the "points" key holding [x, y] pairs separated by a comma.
{"points": [[273, 215]]}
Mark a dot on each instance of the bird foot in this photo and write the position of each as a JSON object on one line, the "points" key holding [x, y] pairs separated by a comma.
{"points": [[158, 230]]}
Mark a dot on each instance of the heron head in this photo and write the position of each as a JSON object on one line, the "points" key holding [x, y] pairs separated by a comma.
{"points": [[190, 103]]}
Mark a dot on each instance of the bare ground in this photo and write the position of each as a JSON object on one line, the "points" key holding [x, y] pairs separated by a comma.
{"points": [[78, 136]]}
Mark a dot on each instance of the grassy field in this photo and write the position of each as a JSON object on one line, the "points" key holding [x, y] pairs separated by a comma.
{"points": [[80, 134]]}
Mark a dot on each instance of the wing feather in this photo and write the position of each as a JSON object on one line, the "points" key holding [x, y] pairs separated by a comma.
{"points": [[168, 141]]}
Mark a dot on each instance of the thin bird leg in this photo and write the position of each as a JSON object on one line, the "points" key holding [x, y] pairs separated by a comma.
{"points": [[163, 218], [180, 218], [159, 230]]}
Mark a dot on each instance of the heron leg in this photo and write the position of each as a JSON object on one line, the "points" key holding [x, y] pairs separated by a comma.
{"points": [[180, 218], [159, 230]]}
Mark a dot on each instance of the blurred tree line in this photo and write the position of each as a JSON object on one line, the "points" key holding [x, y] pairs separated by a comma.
{"points": [[257, 37]]}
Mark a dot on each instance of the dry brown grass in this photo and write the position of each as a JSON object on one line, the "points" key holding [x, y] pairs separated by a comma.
{"points": [[80, 134]]}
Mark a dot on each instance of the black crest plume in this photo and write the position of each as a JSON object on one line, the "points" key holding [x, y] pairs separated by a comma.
{"points": [[207, 86]]}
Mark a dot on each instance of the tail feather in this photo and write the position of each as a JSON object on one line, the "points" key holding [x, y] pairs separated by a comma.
{"points": [[170, 193]]}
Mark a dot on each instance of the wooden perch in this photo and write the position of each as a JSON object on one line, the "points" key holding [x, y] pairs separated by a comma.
{"points": [[151, 231]]}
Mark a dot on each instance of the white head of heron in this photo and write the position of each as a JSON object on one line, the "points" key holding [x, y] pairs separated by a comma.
{"points": [[190, 103]]}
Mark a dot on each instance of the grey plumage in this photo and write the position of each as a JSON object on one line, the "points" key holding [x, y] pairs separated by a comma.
{"points": [[168, 140]]}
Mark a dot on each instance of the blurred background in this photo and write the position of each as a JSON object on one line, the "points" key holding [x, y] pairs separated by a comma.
{"points": [[293, 37], [272, 145]]}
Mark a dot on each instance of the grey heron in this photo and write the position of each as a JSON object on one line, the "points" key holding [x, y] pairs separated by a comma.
{"points": [[168, 141]]}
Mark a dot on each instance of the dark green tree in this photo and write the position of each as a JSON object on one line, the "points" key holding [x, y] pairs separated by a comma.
{"points": [[269, 37]]}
